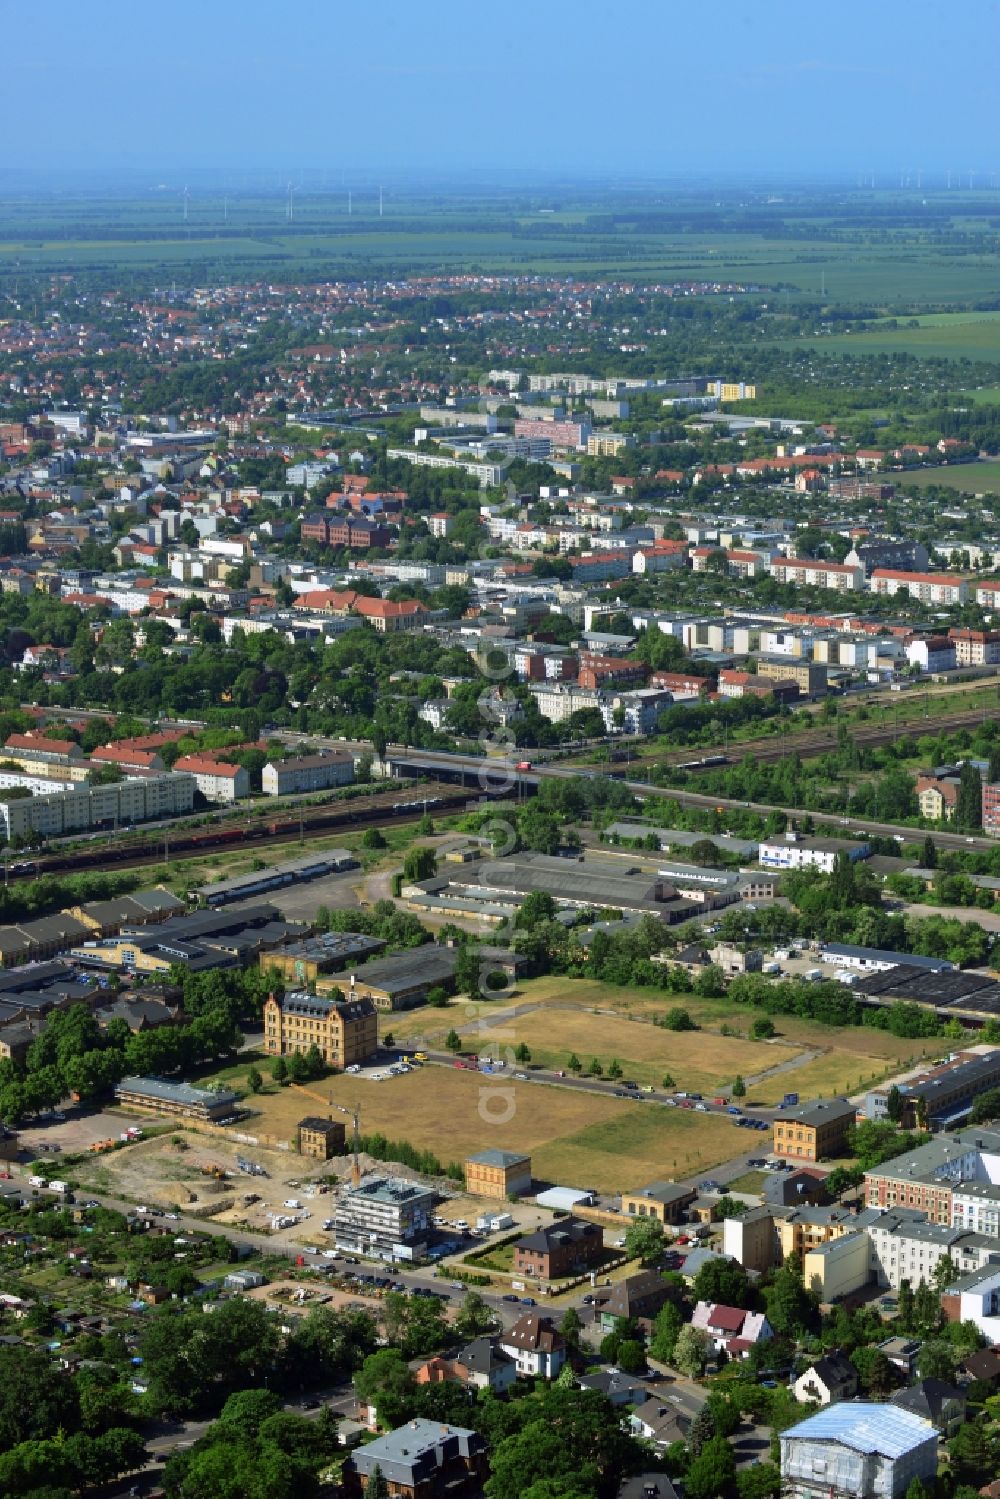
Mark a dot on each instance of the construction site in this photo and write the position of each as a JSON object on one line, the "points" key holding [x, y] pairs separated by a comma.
{"points": [[231, 1179]]}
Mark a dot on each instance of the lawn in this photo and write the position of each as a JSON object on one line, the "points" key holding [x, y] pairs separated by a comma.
{"points": [[574, 1137]]}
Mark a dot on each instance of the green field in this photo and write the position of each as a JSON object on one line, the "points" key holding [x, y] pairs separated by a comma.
{"points": [[808, 246], [958, 335], [967, 478]]}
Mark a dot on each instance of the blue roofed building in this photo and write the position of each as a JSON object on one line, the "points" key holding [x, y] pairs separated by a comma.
{"points": [[857, 1450]]}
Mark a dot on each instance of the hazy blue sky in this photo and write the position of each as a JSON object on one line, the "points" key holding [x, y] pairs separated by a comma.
{"points": [[650, 86]]}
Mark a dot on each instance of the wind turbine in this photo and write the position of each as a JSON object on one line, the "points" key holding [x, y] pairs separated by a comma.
{"points": [[186, 196]]}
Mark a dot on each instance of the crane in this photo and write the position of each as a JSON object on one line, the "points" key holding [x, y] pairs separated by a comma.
{"points": [[353, 1114]]}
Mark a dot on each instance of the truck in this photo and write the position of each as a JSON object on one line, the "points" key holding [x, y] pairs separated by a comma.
{"points": [[37, 1181], [55, 1186], [719, 1102], [790, 1100]]}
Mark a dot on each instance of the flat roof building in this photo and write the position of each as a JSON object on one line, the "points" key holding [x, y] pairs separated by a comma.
{"points": [[178, 1100]]}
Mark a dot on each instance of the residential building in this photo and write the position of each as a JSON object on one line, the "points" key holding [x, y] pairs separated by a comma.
{"points": [[937, 796], [567, 1247], [991, 808], [562, 434], [732, 1330], [926, 588], [857, 1450], [321, 1138], [933, 1400], [665, 1201], [640, 1295], [839, 577], [952, 1169], [480, 1365], [139, 799], [156, 1095], [217, 780], [535, 1345], [385, 1217], [344, 1030], [878, 552], [932, 653], [976, 647], [421, 1460], [838, 1267], [813, 1131], [831, 1378], [502, 1174], [307, 773]]}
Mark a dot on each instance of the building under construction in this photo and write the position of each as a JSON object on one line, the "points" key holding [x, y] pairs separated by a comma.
{"points": [[385, 1217]]}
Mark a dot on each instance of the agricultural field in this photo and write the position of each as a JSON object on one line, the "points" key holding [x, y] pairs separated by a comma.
{"points": [[944, 257], [966, 478], [949, 335]]}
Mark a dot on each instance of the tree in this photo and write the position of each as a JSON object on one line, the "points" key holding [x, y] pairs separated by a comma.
{"points": [[644, 1240], [894, 1104], [790, 1309], [666, 1327], [523, 1054], [679, 1019], [453, 1041], [937, 1360], [739, 1089], [929, 854], [667, 1081], [474, 1317], [571, 1327], [710, 982], [691, 1351], [723, 1281], [874, 1370], [712, 1472], [762, 1028], [702, 1430], [631, 1356], [377, 1486], [537, 907], [254, 1080], [968, 815], [385, 1382], [279, 1070], [373, 838], [762, 1481], [574, 1064], [420, 864], [595, 1069], [614, 1069]]}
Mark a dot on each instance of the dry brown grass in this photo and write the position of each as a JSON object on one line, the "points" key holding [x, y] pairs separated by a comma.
{"points": [[574, 1137]]}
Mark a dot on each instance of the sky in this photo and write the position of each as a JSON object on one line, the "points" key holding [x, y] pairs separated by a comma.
{"points": [[657, 88]]}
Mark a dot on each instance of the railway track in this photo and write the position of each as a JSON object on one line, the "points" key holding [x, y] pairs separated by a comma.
{"points": [[807, 746], [400, 806]]}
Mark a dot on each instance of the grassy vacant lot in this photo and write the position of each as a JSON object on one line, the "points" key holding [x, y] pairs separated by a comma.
{"points": [[556, 1016], [574, 1137]]}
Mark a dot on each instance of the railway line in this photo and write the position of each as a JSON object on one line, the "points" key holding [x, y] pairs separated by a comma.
{"points": [[807, 746], [386, 808]]}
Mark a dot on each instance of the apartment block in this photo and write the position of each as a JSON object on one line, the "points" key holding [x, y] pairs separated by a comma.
{"points": [[814, 1131], [307, 773]]}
